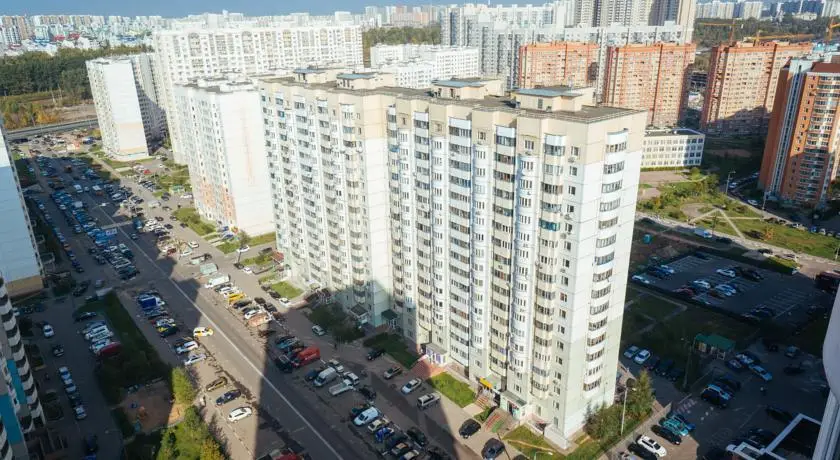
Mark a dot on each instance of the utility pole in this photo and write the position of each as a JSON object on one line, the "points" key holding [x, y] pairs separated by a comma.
{"points": [[764, 201], [728, 178], [623, 409]]}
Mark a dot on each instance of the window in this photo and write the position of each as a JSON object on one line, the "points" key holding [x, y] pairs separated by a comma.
{"points": [[611, 187], [601, 260], [529, 145], [597, 294], [554, 150], [573, 170], [604, 242], [571, 189], [610, 205], [614, 168], [607, 223]]}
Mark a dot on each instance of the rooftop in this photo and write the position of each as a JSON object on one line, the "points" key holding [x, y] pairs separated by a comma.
{"points": [[356, 76], [653, 132], [554, 91], [588, 114], [458, 83]]}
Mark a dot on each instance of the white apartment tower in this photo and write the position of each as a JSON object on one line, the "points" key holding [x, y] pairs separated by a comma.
{"points": [[416, 66], [221, 132], [190, 53], [19, 257], [506, 229], [127, 105]]}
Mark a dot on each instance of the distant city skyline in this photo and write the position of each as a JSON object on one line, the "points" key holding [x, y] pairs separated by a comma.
{"points": [[186, 7]]}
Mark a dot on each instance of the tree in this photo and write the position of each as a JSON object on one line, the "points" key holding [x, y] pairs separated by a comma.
{"points": [[182, 387], [640, 398], [244, 239], [767, 233], [210, 450]]}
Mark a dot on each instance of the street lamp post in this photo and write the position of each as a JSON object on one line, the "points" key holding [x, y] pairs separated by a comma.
{"points": [[623, 409], [688, 361]]}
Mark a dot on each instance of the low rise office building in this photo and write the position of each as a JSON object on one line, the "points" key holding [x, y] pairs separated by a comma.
{"points": [[669, 148]]}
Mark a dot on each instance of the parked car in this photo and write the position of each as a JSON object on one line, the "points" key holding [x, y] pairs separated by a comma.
{"points": [[417, 436], [228, 397], [240, 413], [648, 443], [469, 428], [493, 448], [216, 384], [666, 434], [763, 373], [392, 372], [375, 353], [641, 357], [779, 414], [714, 398], [631, 352], [728, 272], [411, 385], [318, 330]]}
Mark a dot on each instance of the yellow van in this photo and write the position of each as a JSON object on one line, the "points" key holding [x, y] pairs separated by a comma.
{"points": [[234, 297]]}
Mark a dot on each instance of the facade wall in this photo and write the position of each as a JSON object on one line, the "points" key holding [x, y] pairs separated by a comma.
{"points": [[558, 63], [19, 257], [649, 77], [497, 241], [828, 442], [416, 66], [800, 160], [226, 153], [118, 109], [742, 83], [672, 148], [191, 53]]}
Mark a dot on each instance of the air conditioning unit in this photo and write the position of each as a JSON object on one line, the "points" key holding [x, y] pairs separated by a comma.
{"points": [[562, 270], [572, 159]]}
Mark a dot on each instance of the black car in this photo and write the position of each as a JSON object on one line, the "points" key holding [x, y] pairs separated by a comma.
{"points": [[469, 428], [228, 397], [493, 448], [729, 381], [713, 398], [666, 434], [652, 363], [274, 295], [368, 392], [793, 369], [259, 301], [417, 436], [91, 444], [58, 351], [641, 452], [375, 353], [83, 315], [779, 414], [770, 344], [312, 375], [701, 255], [675, 374], [664, 367], [238, 266]]}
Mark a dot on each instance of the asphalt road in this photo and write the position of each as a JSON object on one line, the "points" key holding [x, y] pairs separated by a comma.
{"points": [[232, 346], [54, 128]]}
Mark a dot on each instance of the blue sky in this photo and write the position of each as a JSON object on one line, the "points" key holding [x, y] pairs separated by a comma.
{"points": [[174, 8]]}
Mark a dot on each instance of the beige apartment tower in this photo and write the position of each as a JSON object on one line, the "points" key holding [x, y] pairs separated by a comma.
{"points": [[491, 230], [558, 63], [649, 77], [742, 86]]}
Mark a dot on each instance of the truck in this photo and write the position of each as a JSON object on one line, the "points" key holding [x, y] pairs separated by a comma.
{"points": [[703, 233], [206, 269], [306, 356], [259, 320], [342, 387], [216, 280], [326, 376], [149, 301]]}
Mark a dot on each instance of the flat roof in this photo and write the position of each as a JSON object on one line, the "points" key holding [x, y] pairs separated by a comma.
{"points": [[458, 83], [356, 76], [548, 92], [587, 114], [308, 71], [653, 132]]}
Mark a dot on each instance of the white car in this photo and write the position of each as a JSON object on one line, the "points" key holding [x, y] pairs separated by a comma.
{"points": [[643, 356], [752, 202], [285, 302], [186, 347], [186, 252], [194, 358], [318, 330], [80, 412], [252, 313], [202, 332], [64, 373], [702, 284], [367, 416], [48, 331], [726, 272], [667, 269], [411, 385], [725, 290], [186, 196], [762, 372], [193, 244], [239, 413], [631, 352], [640, 279], [651, 446], [745, 360], [248, 270], [242, 249]]}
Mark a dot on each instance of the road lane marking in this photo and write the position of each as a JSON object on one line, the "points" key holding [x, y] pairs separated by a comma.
{"points": [[229, 341]]}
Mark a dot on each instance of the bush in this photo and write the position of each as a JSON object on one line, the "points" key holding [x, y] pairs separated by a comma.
{"points": [[191, 438], [190, 217], [182, 386]]}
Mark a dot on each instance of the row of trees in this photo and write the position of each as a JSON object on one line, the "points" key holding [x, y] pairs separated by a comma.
{"points": [[39, 72], [604, 425], [706, 35], [18, 115], [399, 36]]}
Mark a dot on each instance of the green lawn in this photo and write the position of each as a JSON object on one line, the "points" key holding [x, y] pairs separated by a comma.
{"points": [[190, 217], [457, 391], [258, 260], [735, 209], [229, 246], [138, 363], [286, 290], [791, 238], [631, 324], [673, 338], [652, 306], [524, 440], [263, 239], [394, 346]]}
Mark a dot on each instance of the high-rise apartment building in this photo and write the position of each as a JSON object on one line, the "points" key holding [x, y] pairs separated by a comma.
{"points": [[19, 257], [828, 442], [416, 66], [221, 133], [189, 53], [558, 63], [742, 85], [126, 97], [493, 234], [20, 406], [800, 154], [649, 77]]}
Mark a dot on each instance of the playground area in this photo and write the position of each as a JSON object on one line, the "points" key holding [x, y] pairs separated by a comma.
{"points": [[151, 408]]}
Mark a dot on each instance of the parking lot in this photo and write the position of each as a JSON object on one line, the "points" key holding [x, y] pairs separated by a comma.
{"points": [[783, 297]]}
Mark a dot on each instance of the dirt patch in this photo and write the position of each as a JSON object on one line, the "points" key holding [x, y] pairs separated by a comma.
{"points": [[661, 177], [152, 407], [737, 153]]}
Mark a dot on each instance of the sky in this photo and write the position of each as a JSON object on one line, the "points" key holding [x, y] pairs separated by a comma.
{"points": [[177, 8]]}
